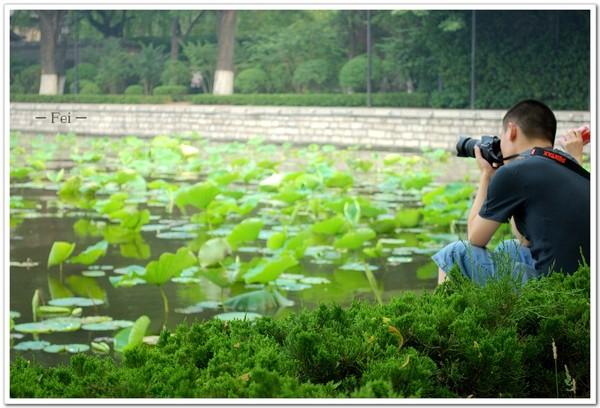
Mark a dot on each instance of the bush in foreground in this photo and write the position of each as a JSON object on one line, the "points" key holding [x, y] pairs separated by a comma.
{"points": [[459, 341]]}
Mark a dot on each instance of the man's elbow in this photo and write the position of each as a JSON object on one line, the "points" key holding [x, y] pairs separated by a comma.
{"points": [[476, 240]]}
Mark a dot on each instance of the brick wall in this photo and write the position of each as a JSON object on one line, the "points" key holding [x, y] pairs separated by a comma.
{"points": [[381, 128]]}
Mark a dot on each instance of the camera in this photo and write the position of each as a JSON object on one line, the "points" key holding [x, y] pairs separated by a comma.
{"points": [[489, 146]]}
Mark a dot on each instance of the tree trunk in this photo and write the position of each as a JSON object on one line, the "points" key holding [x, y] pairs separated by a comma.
{"points": [[50, 23], [223, 84], [175, 38]]}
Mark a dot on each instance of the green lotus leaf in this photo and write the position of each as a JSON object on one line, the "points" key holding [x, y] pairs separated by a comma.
{"points": [[76, 348], [93, 274], [355, 238], [91, 254], [109, 325], [55, 348], [246, 231], [137, 333], [168, 266], [100, 347], [330, 226], [75, 301], [408, 217], [340, 179], [59, 252], [31, 345], [276, 240], [213, 251], [53, 310], [270, 270]]}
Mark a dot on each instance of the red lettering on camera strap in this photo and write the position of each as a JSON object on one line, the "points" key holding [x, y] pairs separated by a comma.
{"points": [[559, 158]]}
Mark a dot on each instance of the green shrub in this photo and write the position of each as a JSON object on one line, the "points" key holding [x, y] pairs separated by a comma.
{"points": [[85, 71], [176, 73], [353, 75], [251, 80], [28, 79], [458, 341], [171, 90], [391, 99], [312, 75], [134, 90], [72, 98], [115, 68], [87, 87]]}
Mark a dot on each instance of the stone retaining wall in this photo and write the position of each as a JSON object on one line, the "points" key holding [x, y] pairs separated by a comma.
{"points": [[379, 128]]}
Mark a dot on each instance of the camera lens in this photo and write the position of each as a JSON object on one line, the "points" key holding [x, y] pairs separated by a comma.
{"points": [[466, 147]]}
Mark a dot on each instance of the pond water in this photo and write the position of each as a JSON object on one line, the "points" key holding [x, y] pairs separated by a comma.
{"points": [[95, 191]]}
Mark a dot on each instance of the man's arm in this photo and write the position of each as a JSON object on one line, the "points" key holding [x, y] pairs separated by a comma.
{"points": [[480, 230]]}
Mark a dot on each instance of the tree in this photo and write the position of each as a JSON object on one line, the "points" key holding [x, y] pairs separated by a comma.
{"points": [[107, 22], [223, 84], [50, 26], [177, 37]]}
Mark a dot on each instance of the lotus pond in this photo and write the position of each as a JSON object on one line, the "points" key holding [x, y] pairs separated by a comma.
{"points": [[112, 239]]}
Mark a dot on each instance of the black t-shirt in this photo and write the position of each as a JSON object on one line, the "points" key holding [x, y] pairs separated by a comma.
{"points": [[551, 207]]}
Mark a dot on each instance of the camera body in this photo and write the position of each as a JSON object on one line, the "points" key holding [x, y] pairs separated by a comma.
{"points": [[488, 145]]}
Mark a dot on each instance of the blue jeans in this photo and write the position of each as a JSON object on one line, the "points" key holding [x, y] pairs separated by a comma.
{"points": [[479, 265]]}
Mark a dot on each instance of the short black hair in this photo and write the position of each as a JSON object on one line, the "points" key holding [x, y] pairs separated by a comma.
{"points": [[534, 118]]}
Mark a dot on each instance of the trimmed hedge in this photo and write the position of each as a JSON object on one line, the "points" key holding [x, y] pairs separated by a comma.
{"points": [[459, 341], [79, 98], [416, 100], [383, 99]]}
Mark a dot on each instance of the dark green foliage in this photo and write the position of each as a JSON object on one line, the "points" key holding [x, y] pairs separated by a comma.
{"points": [[353, 75], [87, 87], [251, 80], [458, 341], [312, 75], [134, 90], [27, 80], [90, 98], [391, 99], [387, 99], [170, 90], [176, 73]]}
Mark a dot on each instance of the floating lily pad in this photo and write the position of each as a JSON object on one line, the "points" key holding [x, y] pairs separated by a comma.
{"points": [[100, 347], [53, 310], [93, 274], [151, 340], [392, 241], [154, 227], [109, 325], [199, 307], [399, 259], [357, 266], [14, 314], [16, 336], [176, 235], [25, 264], [54, 348], [76, 348], [292, 286], [185, 279], [237, 316], [34, 328], [95, 319], [31, 345], [292, 276], [131, 269], [75, 301], [314, 280]]}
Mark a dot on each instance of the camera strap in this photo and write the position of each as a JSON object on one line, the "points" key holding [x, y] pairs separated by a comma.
{"points": [[559, 158]]}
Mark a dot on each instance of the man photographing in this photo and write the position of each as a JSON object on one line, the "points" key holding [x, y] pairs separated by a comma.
{"points": [[545, 194]]}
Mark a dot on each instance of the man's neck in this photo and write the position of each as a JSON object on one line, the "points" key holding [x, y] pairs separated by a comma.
{"points": [[530, 144]]}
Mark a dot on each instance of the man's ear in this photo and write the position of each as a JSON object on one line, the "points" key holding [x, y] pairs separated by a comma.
{"points": [[512, 131]]}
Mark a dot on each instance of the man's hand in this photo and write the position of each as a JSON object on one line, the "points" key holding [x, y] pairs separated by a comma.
{"points": [[573, 144], [487, 170]]}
